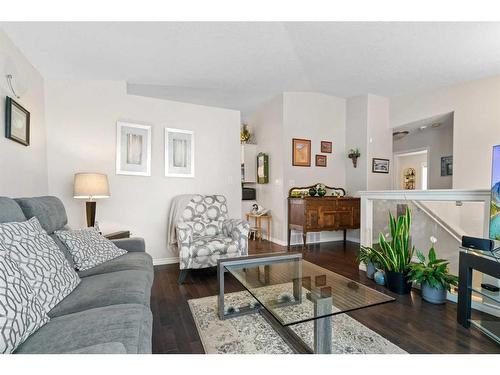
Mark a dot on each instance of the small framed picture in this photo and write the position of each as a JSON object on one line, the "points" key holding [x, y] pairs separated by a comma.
{"points": [[447, 166], [133, 149], [179, 153], [320, 160], [301, 152], [17, 122], [380, 165], [326, 147]]}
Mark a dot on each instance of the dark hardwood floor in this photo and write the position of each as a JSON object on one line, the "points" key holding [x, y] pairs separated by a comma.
{"points": [[412, 324]]}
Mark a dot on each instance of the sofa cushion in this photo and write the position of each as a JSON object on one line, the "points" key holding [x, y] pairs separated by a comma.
{"points": [[21, 313], [41, 261], [130, 325], [64, 250], [129, 261], [106, 289], [10, 211], [49, 211], [88, 247]]}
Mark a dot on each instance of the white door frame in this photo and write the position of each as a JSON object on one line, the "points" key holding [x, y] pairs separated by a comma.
{"points": [[395, 158]]}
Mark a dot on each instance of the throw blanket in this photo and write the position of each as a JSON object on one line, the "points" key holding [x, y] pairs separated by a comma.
{"points": [[177, 206]]}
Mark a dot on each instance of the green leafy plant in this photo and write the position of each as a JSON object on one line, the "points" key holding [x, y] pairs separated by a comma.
{"points": [[366, 255], [354, 152], [433, 272], [395, 255]]}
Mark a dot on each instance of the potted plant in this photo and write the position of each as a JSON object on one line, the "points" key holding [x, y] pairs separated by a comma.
{"points": [[244, 133], [394, 256], [368, 258], [354, 154], [432, 275]]}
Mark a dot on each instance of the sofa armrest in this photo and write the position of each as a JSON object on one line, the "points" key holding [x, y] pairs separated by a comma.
{"points": [[132, 245]]}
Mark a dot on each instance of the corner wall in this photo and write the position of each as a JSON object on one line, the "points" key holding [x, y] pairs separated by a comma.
{"points": [[476, 125], [82, 119], [23, 169]]}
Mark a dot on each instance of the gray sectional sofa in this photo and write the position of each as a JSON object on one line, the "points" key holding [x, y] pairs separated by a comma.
{"points": [[109, 311]]}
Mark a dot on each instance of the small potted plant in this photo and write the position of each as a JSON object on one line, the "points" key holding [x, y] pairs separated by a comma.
{"points": [[432, 275], [354, 154], [244, 133], [368, 258]]}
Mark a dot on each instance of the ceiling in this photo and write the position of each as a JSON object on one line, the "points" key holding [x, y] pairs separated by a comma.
{"points": [[240, 65]]}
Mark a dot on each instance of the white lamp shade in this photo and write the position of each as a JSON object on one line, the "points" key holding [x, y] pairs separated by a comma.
{"points": [[90, 186]]}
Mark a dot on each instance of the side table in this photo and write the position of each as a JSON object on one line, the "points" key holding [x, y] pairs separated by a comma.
{"points": [[258, 224], [117, 235]]}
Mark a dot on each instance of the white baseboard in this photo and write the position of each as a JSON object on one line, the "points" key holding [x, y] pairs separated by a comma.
{"points": [[162, 261]]}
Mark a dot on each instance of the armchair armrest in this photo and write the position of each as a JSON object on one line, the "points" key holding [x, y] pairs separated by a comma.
{"points": [[132, 245], [236, 228], [184, 234]]}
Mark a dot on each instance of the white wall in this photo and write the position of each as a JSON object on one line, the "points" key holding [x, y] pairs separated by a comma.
{"points": [[81, 117], [476, 125], [24, 169], [356, 137], [379, 141], [317, 117], [313, 116], [267, 126], [439, 143], [368, 130]]}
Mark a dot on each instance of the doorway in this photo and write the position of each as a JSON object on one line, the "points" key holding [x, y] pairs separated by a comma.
{"points": [[411, 171]]}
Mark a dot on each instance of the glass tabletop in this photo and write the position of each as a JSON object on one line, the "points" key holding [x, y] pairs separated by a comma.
{"points": [[299, 291]]}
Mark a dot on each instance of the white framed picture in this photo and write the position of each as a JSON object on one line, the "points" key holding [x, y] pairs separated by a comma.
{"points": [[133, 149], [179, 153]]}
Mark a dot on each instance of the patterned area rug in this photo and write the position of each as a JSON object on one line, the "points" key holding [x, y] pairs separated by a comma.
{"points": [[251, 334]]}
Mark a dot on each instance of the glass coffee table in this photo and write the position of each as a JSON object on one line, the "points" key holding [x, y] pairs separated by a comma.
{"points": [[288, 290]]}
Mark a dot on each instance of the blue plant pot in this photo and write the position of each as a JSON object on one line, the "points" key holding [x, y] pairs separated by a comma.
{"points": [[379, 277], [433, 295], [370, 270]]}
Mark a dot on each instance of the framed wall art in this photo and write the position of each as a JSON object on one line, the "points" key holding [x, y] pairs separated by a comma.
{"points": [[301, 152], [447, 166], [320, 160], [326, 147], [380, 165], [179, 153], [133, 149], [262, 168], [17, 122]]}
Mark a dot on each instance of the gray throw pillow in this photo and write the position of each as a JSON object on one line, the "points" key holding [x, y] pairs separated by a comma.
{"points": [[36, 254], [21, 313], [88, 247]]}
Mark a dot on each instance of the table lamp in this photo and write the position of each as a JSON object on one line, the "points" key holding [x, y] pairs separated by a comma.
{"points": [[90, 186]]}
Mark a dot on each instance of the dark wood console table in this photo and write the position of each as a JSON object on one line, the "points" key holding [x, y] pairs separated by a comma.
{"points": [[317, 214]]}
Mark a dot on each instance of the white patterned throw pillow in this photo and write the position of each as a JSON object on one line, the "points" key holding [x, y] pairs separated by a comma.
{"points": [[21, 313], [88, 247], [41, 261]]}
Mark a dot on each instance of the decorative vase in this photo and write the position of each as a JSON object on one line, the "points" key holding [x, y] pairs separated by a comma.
{"points": [[312, 192], [245, 134], [379, 277], [370, 270], [398, 282], [321, 192], [432, 294]]}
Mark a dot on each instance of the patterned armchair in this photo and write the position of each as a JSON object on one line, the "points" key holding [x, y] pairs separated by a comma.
{"points": [[205, 234]]}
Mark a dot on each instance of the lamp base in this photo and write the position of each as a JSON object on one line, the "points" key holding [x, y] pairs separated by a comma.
{"points": [[90, 207]]}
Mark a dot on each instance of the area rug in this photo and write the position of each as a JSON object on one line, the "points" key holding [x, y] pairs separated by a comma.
{"points": [[251, 334]]}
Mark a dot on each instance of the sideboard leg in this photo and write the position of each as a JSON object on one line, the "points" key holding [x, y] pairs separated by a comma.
{"points": [[304, 238], [289, 235]]}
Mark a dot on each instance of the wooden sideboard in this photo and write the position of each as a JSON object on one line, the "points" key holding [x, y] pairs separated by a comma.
{"points": [[316, 214]]}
